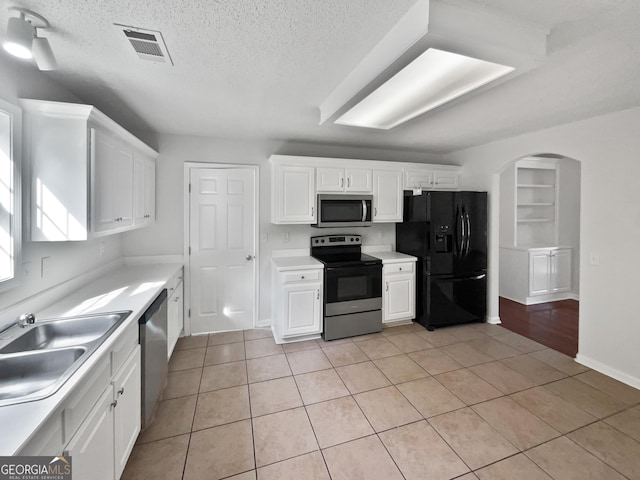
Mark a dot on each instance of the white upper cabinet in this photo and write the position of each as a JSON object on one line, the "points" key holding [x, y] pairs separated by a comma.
{"points": [[387, 196], [431, 177], [293, 194], [296, 181], [334, 179], [81, 173], [144, 190]]}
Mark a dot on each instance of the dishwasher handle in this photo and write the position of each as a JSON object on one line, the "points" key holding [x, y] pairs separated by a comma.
{"points": [[153, 308]]}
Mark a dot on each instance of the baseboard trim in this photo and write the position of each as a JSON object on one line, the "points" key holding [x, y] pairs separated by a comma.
{"points": [[493, 320], [609, 371]]}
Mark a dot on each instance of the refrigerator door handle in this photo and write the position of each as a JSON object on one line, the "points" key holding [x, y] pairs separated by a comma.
{"points": [[468, 219], [463, 238], [458, 279]]}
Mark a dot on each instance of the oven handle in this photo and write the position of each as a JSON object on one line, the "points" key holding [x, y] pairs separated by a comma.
{"points": [[364, 210], [363, 264]]}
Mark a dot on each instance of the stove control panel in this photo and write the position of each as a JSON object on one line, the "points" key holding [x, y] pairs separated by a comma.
{"points": [[335, 240]]}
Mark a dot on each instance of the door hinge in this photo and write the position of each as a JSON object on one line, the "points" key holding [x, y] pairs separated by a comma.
{"points": [[189, 188], [189, 250], [189, 313]]}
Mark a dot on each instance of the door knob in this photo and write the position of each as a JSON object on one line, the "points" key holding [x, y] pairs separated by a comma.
{"points": [[250, 257]]}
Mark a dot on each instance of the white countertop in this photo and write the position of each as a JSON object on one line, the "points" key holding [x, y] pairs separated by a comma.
{"points": [[127, 288], [295, 263], [393, 257], [534, 247]]}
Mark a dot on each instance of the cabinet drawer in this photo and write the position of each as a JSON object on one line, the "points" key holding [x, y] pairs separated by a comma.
{"points": [[123, 346], [301, 276], [399, 268], [85, 396]]}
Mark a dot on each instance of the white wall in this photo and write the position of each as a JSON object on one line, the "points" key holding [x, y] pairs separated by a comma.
{"points": [[569, 214], [608, 149], [166, 236], [66, 260]]}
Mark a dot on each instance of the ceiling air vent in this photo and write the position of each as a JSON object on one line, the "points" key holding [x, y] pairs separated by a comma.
{"points": [[148, 44]]}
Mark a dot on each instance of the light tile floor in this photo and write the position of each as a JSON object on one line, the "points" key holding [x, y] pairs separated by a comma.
{"points": [[468, 402]]}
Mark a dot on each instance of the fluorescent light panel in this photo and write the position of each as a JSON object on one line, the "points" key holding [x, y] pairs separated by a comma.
{"points": [[434, 78]]}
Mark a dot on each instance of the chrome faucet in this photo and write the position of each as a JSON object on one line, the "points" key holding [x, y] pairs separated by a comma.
{"points": [[26, 319]]}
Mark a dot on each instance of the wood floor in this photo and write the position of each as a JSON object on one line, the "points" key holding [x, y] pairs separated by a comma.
{"points": [[554, 324]]}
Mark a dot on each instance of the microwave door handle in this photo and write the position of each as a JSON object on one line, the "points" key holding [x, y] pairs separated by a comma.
{"points": [[364, 210]]}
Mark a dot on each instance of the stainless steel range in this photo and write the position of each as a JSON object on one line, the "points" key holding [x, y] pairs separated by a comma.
{"points": [[352, 286]]}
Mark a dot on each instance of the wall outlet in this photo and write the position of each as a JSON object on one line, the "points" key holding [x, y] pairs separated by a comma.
{"points": [[594, 258], [102, 249], [285, 237]]}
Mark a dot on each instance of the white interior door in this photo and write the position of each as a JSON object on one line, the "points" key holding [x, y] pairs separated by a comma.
{"points": [[222, 243]]}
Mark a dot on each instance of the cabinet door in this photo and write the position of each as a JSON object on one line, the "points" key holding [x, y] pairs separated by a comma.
{"points": [[560, 274], [330, 179], [112, 182], [138, 191], [294, 195], [358, 180], [302, 309], [387, 196], [443, 180], [418, 178], [150, 190], [399, 297], [92, 445], [126, 414], [175, 318], [539, 272]]}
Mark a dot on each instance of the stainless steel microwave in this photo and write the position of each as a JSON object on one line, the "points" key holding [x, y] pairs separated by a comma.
{"points": [[339, 210]]}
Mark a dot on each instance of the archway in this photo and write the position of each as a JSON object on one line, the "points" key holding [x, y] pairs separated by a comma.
{"points": [[539, 249]]}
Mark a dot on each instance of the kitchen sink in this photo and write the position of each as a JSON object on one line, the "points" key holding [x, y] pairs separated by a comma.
{"points": [[37, 360], [24, 374], [66, 332]]}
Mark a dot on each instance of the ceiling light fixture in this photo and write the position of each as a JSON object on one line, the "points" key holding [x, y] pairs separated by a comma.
{"points": [[22, 39], [434, 78]]}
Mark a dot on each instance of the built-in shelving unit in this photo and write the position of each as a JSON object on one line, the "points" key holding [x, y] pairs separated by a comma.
{"points": [[536, 202]]}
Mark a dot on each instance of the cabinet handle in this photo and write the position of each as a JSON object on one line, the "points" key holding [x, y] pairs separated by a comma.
{"points": [[375, 212], [318, 295], [114, 404], [342, 182], [387, 286], [348, 182], [121, 391], [301, 277], [177, 298], [400, 268], [312, 211]]}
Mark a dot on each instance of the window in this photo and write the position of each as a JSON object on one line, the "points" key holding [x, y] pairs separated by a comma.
{"points": [[10, 196]]}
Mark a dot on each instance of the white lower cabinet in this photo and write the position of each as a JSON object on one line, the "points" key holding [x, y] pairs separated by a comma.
{"points": [[399, 296], [126, 413], [91, 448], [102, 444], [535, 275], [297, 303], [549, 271]]}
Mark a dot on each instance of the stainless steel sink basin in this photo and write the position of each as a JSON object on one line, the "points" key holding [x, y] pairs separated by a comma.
{"points": [[24, 374], [36, 361], [64, 332]]}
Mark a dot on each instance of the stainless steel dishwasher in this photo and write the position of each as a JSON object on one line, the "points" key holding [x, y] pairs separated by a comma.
{"points": [[153, 340]]}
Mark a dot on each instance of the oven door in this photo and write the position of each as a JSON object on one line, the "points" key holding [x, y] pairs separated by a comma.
{"points": [[344, 210], [352, 289]]}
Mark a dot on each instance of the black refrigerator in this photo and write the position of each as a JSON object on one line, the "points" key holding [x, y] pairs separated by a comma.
{"points": [[447, 231]]}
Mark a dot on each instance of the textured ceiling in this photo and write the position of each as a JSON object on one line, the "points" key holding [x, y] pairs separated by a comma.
{"points": [[260, 68]]}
